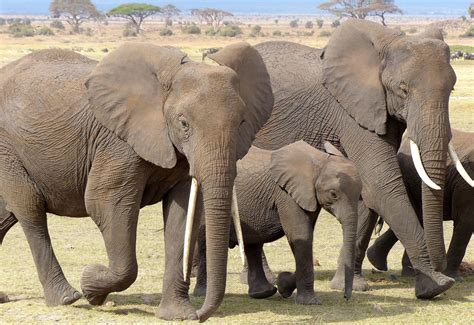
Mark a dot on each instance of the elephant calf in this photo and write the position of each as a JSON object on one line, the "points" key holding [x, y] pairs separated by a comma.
{"points": [[281, 193], [458, 206]]}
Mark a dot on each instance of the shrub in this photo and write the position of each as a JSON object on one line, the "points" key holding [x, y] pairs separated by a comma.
{"points": [[256, 30], [25, 21], [88, 31], [57, 24], [311, 33], [325, 33], [276, 21], [335, 23], [20, 30], [210, 32], [276, 33], [294, 23], [309, 25], [2, 21], [469, 32], [412, 30], [230, 31], [46, 31], [166, 32], [320, 23], [463, 18], [191, 29], [129, 32]]}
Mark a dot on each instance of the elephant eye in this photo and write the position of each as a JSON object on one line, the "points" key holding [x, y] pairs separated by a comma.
{"points": [[184, 124], [404, 89], [333, 194]]}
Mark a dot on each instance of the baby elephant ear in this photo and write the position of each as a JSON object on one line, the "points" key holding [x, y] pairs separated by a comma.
{"points": [[433, 33], [127, 92], [295, 168], [255, 89], [332, 150]]}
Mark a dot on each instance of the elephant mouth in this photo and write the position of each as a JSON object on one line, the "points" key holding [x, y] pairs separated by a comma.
{"points": [[420, 169]]}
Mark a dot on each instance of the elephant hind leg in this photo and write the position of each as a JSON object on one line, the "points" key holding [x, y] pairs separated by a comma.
{"points": [[27, 204], [457, 248], [6, 224], [259, 287]]}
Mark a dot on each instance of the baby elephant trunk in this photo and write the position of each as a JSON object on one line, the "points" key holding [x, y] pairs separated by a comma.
{"points": [[349, 228]]}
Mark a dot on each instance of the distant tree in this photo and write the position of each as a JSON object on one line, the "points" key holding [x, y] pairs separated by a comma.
{"points": [[320, 23], [276, 21], [470, 10], [212, 17], [294, 23], [309, 25], [75, 12], [360, 9], [135, 13], [169, 11]]}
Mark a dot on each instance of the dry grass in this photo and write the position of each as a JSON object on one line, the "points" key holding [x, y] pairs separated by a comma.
{"points": [[78, 242]]}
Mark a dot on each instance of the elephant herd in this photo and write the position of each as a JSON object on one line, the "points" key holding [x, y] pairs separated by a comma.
{"points": [[299, 129]]}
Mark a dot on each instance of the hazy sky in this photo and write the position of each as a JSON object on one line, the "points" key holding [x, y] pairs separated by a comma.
{"points": [[413, 7]]}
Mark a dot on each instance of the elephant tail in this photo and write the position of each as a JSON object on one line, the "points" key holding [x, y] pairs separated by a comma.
{"points": [[378, 226], [6, 224]]}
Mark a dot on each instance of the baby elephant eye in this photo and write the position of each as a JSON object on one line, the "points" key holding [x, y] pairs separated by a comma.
{"points": [[333, 194], [184, 124]]}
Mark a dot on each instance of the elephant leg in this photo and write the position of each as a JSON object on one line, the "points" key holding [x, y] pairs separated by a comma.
{"points": [[298, 227], [259, 287], [268, 272], [201, 275], [377, 253], [407, 267], [27, 205], [457, 248], [365, 226], [175, 303]]}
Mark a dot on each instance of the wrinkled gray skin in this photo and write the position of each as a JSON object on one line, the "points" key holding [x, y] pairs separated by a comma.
{"points": [[281, 193], [458, 206], [360, 93], [80, 138]]}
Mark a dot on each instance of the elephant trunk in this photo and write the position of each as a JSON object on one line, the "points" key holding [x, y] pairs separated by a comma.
{"points": [[432, 135], [349, 228], [217, 174]]}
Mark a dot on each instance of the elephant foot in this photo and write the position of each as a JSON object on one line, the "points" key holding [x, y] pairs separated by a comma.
{"points": [[176, 311], [428, 287], [286, 284], [262, 291], [408, 271], [307, 299], [359, 284], [199, 290], [454, 274], [61, 295], [377, 259]]}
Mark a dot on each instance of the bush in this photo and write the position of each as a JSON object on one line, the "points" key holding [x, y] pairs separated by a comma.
{"points": [[57, 24], [256, 30], [210, 32], [129, 32], [469, 32], [88, 31], [308, 25], [46, 31], [294, 23], [276, 21], [25, 21], [20, 30], [166, 32], [2, 21], [276, 33], [325, 33], [311, 33], [320, 23], [412, 30], [191, 29], [230, 31], [335, 23]]}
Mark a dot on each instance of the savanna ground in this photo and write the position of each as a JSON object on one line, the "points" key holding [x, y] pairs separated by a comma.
{"points": [[77, 242]]}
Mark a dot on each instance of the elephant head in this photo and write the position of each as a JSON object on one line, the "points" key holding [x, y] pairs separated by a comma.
{"points": [[316, 179], [388, 82], [167, 107]]}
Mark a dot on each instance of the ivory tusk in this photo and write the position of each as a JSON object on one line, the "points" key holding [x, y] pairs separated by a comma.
{"points": [[458, 164], [237, 225], [189, 226], [415, 155]]}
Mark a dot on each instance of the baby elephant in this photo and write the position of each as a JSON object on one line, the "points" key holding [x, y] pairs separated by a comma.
{"points": [[281, 193], [458, 206]]}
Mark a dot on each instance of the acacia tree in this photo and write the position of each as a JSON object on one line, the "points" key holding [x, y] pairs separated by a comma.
{"points": [[135, 13], [75, 12], [360, 9], [169, 11], [212, 17]]}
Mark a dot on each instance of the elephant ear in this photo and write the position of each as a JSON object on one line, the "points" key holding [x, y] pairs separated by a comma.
{"points": [[433, 33], [351, 73], [295, 168], [126, 93], [254, 87]]}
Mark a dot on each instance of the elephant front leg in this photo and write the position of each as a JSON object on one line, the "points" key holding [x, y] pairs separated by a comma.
{"points": [[175, 303]]}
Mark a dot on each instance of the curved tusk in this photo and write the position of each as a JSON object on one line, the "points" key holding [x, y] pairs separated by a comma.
{"points": [[458, 164], [237, 225], [415, 155], [189, 226]]}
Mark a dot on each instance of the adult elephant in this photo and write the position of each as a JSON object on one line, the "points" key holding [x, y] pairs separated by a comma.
{"points": [[360, 93], [104, 139]]}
